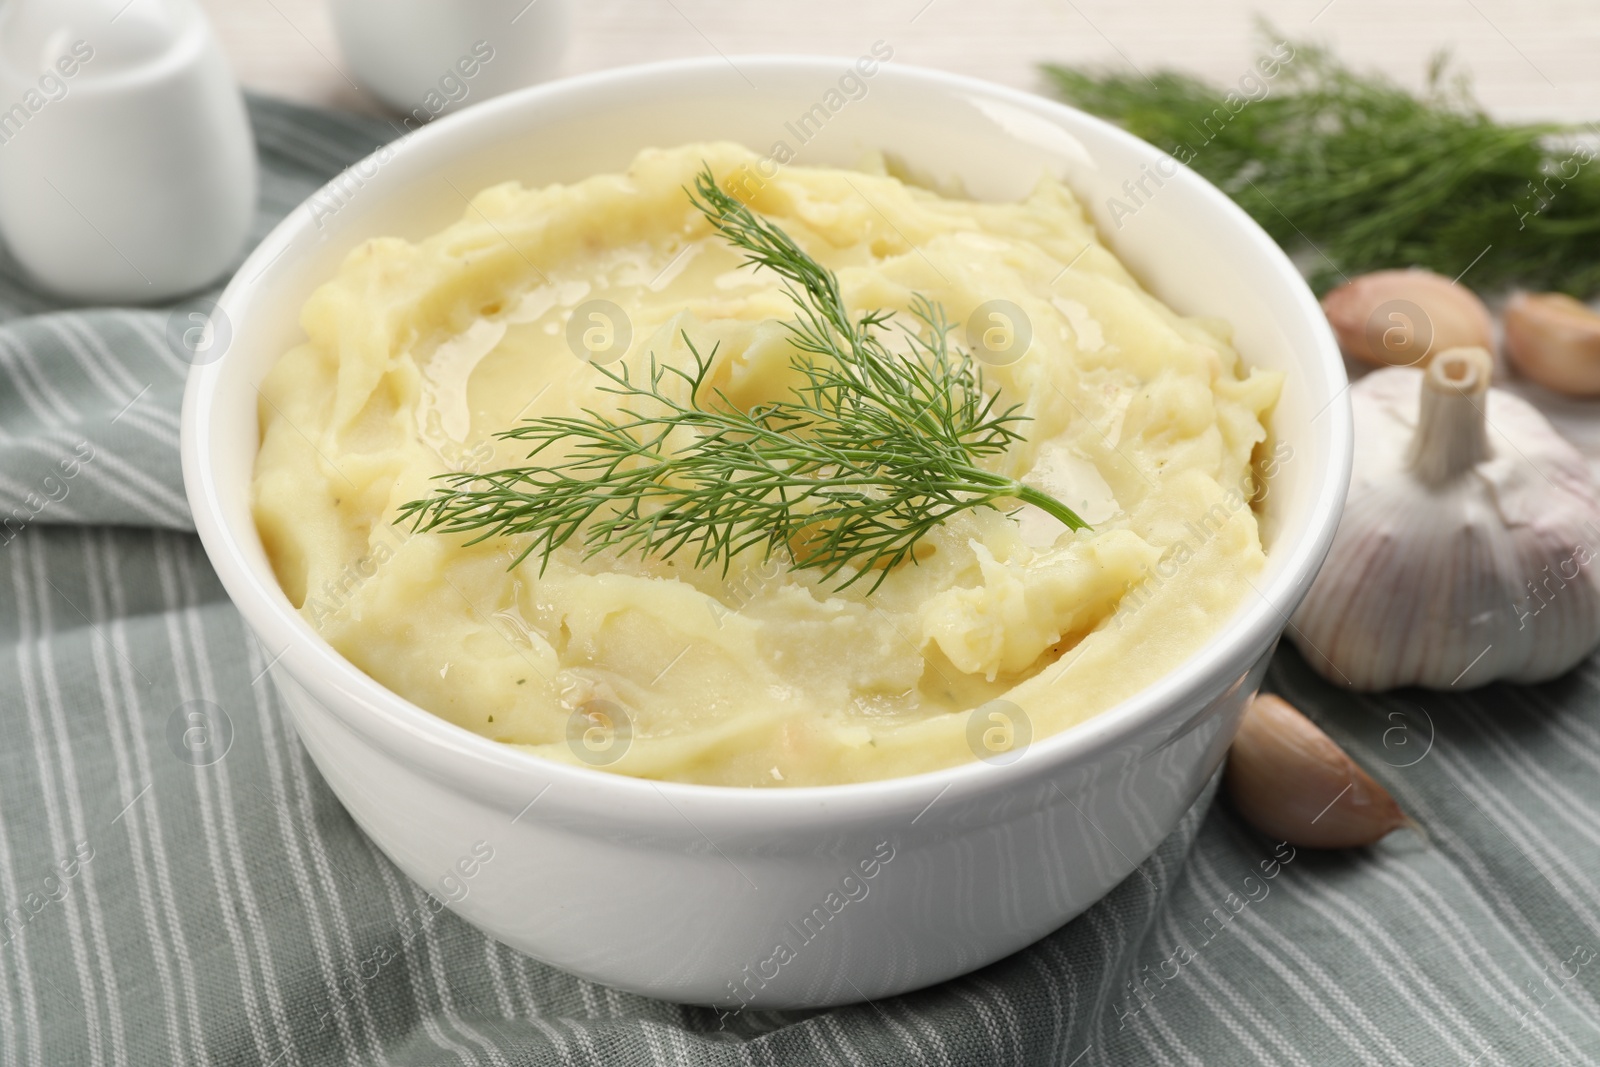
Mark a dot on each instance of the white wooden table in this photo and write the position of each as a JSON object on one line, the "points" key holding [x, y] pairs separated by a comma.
{"points": [[1530, 59]]}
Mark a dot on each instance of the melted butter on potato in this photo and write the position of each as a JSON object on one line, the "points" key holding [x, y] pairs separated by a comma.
{"points": [[417, 354]]}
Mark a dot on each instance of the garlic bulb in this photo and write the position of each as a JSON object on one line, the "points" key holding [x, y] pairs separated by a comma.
{"points": [[1401, 318], [1290, 781], [1464, 551]]}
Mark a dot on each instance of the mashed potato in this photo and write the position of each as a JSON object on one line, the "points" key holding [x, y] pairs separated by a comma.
{"points": [[1008, 627]]}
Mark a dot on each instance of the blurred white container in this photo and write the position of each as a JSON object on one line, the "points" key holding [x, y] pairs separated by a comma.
{"points": [[127, 167], [424, 57]]}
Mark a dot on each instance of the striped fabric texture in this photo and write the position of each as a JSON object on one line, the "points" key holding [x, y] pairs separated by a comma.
{"points": [[162, 912]]}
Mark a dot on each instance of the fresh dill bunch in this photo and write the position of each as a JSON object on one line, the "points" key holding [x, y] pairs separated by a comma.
{"points": [[1352, 173], [872, 452]]}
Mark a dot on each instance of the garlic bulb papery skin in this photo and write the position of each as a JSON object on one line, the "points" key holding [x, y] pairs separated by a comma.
{"points": [[1465, 550]]}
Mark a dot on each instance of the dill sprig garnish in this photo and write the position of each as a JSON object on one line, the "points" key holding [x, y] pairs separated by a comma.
{"points": [[1373, 176], [865, 458]]}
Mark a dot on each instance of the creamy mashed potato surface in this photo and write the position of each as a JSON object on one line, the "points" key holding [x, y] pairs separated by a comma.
{"points": [[1008, 626]]}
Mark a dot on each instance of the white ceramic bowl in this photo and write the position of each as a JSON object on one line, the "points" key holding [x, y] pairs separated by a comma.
{"points": [[684, 891]]}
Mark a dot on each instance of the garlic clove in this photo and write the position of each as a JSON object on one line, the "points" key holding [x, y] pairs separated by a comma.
{"points": [[1401, 318], [1554, 340], [1289, 780]]}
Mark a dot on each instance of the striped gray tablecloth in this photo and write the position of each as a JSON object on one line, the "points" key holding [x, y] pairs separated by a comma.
{"points": [[159, 912]]}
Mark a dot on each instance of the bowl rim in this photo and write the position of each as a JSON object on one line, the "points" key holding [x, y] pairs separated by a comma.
{"points": [[472, 762]]}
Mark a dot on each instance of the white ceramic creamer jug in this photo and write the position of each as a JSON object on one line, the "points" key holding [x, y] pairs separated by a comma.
{"points": [[127, 167]]}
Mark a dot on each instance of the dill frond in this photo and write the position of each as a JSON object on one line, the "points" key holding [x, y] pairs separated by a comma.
{"points": [[872, 452], [1352, 173]]}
